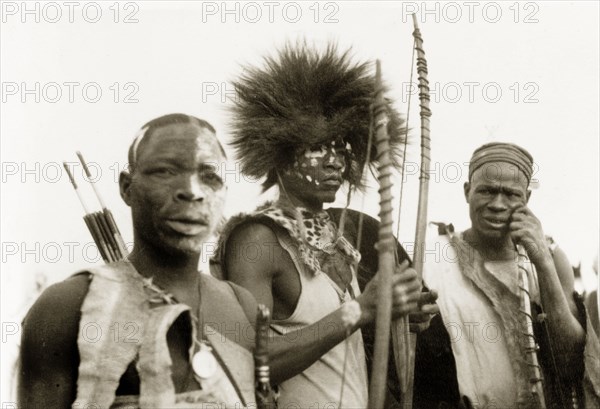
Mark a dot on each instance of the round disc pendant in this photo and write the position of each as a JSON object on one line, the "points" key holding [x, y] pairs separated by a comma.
{"points": [[204, 363]]}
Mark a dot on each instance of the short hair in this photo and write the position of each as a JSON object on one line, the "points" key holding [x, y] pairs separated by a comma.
{"points": [[150, 127]]}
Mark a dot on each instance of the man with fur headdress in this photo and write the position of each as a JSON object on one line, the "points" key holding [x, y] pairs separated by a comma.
{"points": [[302, 123]]}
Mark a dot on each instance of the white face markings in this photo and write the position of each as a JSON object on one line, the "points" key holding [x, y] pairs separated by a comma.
{"points": [[314, 153], [332, 154], [306, 165], [178, 165], [308, 162]]}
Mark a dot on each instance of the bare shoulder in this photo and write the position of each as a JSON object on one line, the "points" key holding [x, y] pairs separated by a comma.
{"points": [[49, 356], [252, 232], [255, 260], [60, 303], [251, 246]]}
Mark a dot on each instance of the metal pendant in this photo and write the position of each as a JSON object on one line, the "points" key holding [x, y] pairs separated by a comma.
{"points": [[204, 362]]}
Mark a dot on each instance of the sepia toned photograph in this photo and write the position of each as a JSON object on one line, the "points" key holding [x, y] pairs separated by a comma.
{"points": [[299, 204]]}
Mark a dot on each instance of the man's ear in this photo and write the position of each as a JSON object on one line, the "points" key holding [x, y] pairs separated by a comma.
{"points": [[125, 180], [467, 189]]}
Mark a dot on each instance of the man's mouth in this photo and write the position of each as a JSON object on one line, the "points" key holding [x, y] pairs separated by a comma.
{"points": [[333, 181], [496, 222], [188, 226]]}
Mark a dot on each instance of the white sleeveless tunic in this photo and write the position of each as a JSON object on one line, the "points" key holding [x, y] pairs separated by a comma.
{"points": [[319, 386]]}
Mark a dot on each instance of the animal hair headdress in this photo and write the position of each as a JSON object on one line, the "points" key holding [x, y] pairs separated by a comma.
{"points": [[302, 98]]}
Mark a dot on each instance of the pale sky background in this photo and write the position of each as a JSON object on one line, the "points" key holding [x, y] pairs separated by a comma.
{"points": [[180, 57]]}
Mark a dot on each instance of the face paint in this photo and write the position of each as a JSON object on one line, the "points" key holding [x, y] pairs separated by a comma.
{"points": [[317, 173], [331, 155], [176, 193], [318, 152], [309, 164]]}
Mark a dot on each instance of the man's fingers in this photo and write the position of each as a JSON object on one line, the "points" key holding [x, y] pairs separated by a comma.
{"points": [[406, 308], [518, 214], [402, 267], [406, 290], [514, 226], [523, 210], [410, 274], [517, 235], [524, 214], [430, 309], [407, 294], [522, 225], [401, 296], [412, 287], [400, 310], [418, 317], [428, 297]]}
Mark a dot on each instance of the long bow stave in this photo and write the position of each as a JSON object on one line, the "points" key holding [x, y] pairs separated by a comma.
{"points": [[404, 341]]}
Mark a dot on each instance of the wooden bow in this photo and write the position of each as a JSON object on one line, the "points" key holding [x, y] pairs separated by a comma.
{"points": [[404, 341], [386, 245], [408, 367]]}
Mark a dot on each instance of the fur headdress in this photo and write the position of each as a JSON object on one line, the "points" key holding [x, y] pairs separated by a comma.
{"points": [[302, 98]]}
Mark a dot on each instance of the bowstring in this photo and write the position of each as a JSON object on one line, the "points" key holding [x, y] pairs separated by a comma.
{"points": [[362, 206], [402, 169], [361, 216]]}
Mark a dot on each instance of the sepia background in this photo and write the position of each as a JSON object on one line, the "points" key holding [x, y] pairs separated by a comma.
{"points": [[86, 75]]}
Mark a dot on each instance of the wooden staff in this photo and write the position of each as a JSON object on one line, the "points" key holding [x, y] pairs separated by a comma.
{"points": [[385, 247], [261, 359]]}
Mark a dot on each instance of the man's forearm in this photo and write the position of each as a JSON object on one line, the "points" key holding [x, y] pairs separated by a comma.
{"points": [[292, 353], [566, 334]]}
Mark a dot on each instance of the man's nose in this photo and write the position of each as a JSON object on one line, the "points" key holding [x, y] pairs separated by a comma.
{"points": [[336, 161], [498, 203], [191, 189]]}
